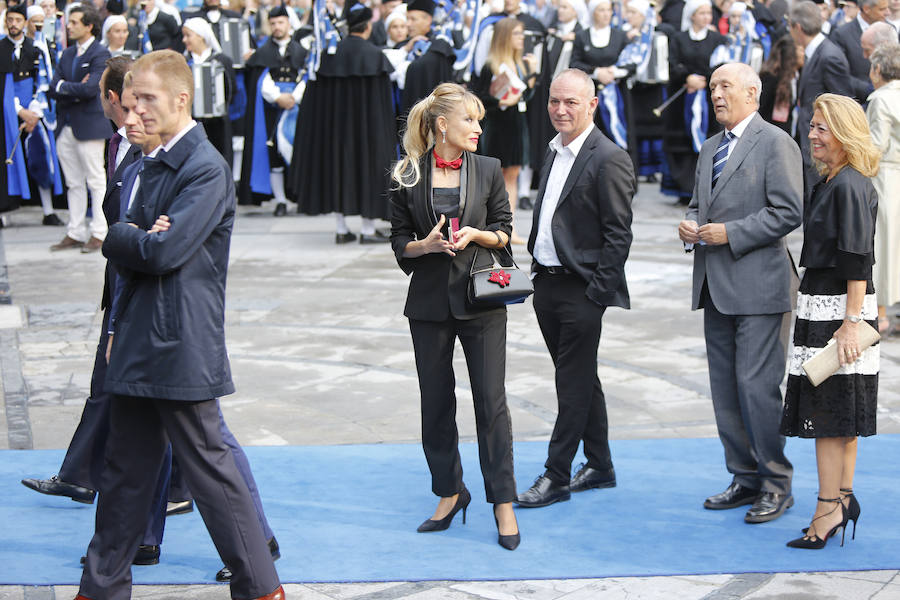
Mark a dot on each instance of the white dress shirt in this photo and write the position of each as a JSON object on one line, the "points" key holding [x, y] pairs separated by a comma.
{"points": [[544, 248], [813, 46], [124, 146], [737, 132]]}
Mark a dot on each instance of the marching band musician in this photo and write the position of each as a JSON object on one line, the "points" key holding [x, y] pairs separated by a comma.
{"points": [[690, 52], [274, 81], [430, 59], [163, 28], [17, 72], [42, 145], [596, 52], [560, 50], [346, 138], [201, 47], [119, 37], [212, 12]]}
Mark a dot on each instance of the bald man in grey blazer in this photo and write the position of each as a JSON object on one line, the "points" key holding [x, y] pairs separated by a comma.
{"points": [[748, 195]]}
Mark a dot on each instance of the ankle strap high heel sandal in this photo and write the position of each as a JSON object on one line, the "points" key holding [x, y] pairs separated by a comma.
{"points": [[814, 542]]}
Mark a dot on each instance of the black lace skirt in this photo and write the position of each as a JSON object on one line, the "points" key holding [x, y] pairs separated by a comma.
{"points": [[843, 405]]}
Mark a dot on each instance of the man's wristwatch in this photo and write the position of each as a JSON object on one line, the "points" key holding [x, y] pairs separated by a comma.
{"points": [[853, 318]]}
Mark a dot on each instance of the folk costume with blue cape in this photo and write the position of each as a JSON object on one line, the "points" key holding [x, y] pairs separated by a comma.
{"points": [[265, 68], [690, 118], [17, 76]]}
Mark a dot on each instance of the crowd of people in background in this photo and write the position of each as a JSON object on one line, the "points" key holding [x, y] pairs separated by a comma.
{"points": [[758, 116]]}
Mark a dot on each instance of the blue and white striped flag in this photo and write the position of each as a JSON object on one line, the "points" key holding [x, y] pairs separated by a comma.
{"points": [[146, 46], [45, 75], [326, 38]]}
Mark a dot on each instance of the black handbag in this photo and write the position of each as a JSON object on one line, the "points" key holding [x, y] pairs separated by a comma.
{"points": [[498, 285]]}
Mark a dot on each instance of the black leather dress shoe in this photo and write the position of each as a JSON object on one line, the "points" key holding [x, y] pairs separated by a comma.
{"points": [[280, 209], [52, 220], [768, 507], [375, 238], [587, 478], [224, 573], [179, 508], [544, 492], [525, 203], [55, 487], [734, 495], [344, 238], [146, 556]]}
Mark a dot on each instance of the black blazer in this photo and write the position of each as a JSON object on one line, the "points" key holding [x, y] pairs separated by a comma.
{"points": [[112, 210], [439, 282], [78, 102], [847, 37], [592, 221]]}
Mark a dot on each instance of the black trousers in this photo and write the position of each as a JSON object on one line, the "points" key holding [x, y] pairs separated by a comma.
{"points": [[83, 463], [140, 429], [571, 324], [483, 341]]}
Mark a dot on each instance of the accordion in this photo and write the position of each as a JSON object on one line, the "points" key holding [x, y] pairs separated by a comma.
{"points": [[658, 64], [209, 90], [235, 40]]}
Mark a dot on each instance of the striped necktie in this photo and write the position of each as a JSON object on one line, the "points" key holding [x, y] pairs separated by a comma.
{"points": [[721, 156]]}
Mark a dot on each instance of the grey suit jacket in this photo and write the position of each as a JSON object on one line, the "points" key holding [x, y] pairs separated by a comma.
{"points": [[759, 198]]}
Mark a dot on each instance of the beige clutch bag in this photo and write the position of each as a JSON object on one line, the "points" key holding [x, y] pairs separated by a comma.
{"points": [[825, 363]]}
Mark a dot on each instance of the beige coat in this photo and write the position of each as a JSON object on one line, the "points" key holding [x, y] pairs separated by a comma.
{"points": [[884, 120]]}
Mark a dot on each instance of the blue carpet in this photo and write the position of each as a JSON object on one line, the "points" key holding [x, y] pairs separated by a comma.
{"points": [[349, 513]]}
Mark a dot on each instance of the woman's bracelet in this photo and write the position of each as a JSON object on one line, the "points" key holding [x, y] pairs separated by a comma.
{"points": [[499, 239]]}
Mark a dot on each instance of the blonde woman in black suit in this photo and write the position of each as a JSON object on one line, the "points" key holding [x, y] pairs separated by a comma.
{"points": [[439, 180]]}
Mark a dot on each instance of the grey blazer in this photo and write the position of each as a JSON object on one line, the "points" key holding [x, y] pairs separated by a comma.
{"points": [[759, 198]]}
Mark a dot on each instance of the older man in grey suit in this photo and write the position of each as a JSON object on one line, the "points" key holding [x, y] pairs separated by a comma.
{"points": [[748, 195]]}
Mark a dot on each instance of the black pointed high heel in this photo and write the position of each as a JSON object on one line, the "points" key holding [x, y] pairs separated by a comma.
{"points": [[853, 509], [462, 503], [814, 542], [510, 542]]}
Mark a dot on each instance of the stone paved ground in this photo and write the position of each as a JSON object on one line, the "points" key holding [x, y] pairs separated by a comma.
{"points": [[321, 355]]}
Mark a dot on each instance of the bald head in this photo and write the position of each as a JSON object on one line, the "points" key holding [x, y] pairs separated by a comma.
{"points": [[877, 34], [734, 91]]}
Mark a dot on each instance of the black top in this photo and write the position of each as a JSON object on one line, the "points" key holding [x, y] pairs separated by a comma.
{"points": [[587, 57], [25, 66], [446, 202], [687, 57], [839, 225], [355, 57]]}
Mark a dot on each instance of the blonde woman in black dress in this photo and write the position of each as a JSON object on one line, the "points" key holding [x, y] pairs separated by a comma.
{"points": [[836, 294], [505, 122]]}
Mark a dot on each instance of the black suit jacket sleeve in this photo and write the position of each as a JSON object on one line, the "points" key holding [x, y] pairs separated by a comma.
{"points": [[614, 193], [836, 76]]}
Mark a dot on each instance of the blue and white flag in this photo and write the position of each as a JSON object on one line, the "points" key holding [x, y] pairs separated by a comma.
{"points": [[612, 111], [326, 38], [696, 117], [45, 75], [144, 33], [637, 52]]}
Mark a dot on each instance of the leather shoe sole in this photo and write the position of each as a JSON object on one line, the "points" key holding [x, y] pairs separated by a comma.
{"points": [[179, 508]]}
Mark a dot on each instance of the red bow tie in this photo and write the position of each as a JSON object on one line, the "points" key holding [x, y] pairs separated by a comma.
{"points": [[440, 163]]}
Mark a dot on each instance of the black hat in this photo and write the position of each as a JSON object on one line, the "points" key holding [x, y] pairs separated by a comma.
{"points": [[358, 14], [423, 5], [278, 11], [19, 9]]}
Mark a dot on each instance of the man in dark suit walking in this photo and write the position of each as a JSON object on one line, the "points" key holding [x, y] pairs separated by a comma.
{"points": [[580, 239], [82, 129], [825, 70], [748, 195], [167, 363], [848, 38]]}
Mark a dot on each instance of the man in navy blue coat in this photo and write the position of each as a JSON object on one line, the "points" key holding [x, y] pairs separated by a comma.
{"points": [[167, 362], [82, 129]]}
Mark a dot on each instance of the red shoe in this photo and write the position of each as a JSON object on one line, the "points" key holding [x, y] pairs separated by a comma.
{"points": [[276, 595], [80, 597]]}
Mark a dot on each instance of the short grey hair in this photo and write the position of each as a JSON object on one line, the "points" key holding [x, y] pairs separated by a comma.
{"points": [[807, 17], [747, 76], [590, 88], [887, 58], [880, 33], [867, 3]]}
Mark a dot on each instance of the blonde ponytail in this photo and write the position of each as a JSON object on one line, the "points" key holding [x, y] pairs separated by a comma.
{"points": [[418, 136]]}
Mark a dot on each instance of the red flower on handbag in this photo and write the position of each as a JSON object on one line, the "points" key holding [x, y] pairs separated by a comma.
{"points": [[500, 277]]}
